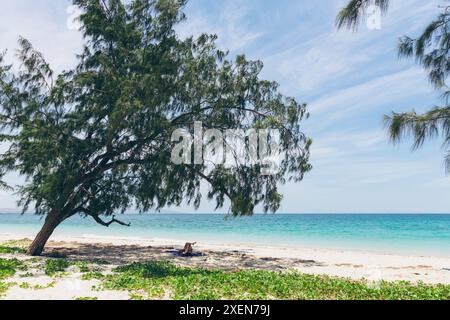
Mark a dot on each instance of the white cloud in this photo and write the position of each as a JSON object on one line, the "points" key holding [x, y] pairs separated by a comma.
{"points": [[45, 25], [348, 75], [312, 63], [339, 145], [318, 65], [231, 26], [385, 93]]}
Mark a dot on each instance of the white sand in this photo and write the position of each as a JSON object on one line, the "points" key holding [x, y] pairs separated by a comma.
{"points": [[344, 263], [341, 263]]}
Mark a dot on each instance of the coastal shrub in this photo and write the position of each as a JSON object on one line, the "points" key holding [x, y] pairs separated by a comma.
{"points": [[22, 243], [8, 249], [27, 275], [92, 275], [4, 287], [24, 285], [83, 266], [166, 280], [8, 267], [54, 266], [46, 286], [86, 298]]}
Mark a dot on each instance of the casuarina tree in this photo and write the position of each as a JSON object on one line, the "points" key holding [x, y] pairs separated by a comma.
{"points": [[97, 139], [431, 49]]}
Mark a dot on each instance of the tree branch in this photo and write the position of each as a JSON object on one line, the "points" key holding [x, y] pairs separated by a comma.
{"points": [[107, 224], [213, 183], [100, 221]]}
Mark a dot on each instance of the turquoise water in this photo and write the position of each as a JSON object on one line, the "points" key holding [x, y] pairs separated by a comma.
{"points": [[413, 234]]}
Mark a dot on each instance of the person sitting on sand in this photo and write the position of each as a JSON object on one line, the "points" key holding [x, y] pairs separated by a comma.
{"points": [[187, 250]]}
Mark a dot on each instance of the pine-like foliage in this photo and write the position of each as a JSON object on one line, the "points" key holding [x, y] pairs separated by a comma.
{"points": [[96, 140], [351, 15], [432, 51]]}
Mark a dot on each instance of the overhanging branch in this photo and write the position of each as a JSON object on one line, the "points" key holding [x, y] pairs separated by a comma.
{"points": [[107, 224], [213, 184], [100, 221]]}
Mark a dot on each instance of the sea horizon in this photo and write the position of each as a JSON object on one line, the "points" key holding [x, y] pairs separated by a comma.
{"points": [[409, 234], [12, 211]]}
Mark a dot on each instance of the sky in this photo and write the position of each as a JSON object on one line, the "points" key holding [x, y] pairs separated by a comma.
{"points": [[348, 79]]}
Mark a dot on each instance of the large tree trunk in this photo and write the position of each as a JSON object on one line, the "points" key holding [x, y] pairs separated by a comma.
{"points": [[37, 246]]}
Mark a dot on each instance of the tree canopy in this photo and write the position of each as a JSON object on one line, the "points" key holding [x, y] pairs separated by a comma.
{"points": [[96, 140], [431, 49]]}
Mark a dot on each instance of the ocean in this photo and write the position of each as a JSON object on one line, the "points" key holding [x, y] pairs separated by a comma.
{"points": [[418, 234]]}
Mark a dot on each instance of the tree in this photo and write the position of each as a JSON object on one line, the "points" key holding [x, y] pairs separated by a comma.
{"points": [[351, 15], [432, 51], [96, 140]]}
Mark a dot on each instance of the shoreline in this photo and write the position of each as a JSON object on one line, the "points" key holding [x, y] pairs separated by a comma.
{"points": [[208, 242], [353, 264]]}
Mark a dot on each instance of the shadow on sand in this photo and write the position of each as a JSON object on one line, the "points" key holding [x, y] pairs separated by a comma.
{"points": [[126, 254]]}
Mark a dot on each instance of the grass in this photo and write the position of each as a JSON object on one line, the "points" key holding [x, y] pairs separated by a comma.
{"points": [[165, 280]]}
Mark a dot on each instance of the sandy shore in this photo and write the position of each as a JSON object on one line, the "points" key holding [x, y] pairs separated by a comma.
{"points": [[341, 263]]}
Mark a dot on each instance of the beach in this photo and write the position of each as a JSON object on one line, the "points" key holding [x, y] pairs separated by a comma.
{"points": [[371, 266], [323, 256]]}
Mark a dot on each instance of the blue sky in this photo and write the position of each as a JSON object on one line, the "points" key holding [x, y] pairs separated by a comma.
{"points": [[349, 80]]}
